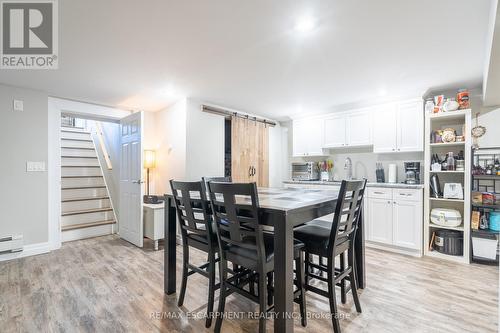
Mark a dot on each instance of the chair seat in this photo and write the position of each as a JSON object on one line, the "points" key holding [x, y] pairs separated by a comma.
{"points": [[321, 223], [316, 238], [269, 248]]}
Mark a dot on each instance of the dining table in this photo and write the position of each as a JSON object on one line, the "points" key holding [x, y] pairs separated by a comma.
{"points": [[283, 209]]}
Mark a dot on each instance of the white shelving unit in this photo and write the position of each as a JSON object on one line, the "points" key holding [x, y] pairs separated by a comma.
{"points": [[460, 120]]}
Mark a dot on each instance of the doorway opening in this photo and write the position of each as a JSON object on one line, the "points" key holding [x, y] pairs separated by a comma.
{"points": [[227, 147]]}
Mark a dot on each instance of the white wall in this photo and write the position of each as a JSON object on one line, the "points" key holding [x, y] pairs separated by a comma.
{"points": [[278, 155], [170, 145], [24, 137], [205, 143]]}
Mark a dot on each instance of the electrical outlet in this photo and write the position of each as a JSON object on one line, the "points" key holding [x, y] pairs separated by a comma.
{"points": [[18, 105]]}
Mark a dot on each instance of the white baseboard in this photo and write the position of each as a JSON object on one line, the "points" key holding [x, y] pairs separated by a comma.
{"points": [[72, 235], [395, 249], [28, 250]]}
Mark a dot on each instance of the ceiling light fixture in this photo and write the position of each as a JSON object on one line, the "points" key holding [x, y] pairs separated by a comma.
{"points": [[305, 24]]}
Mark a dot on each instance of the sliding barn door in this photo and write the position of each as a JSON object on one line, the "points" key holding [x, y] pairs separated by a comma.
{"points": [[249, 151]]}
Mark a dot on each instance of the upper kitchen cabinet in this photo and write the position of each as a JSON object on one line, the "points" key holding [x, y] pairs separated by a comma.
{"points": [[348, 129], [399, 127], [308, 137]]}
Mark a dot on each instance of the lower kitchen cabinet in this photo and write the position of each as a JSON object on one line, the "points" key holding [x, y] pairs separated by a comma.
{"points": [[394, 219]]}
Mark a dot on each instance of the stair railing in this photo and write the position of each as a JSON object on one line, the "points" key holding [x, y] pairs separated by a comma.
{"points": [[102, 144]]}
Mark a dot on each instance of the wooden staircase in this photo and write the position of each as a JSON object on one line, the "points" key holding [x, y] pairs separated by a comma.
{"points": [[86, 209]]}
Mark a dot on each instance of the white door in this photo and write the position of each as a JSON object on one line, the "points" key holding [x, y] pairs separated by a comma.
{"points": [[315, 138], [380, 220], [335, 131], [411, 126], [384, 129], [407, 230], [299, 138], [131, 189], [359, 129]]}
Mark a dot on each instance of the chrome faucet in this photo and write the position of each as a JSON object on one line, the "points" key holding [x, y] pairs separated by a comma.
{"points": [[348, 168]]}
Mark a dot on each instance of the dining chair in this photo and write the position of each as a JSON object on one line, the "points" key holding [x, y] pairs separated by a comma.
{"points": [[332, 242], [243, 241], [221, 179], [197, 231]]}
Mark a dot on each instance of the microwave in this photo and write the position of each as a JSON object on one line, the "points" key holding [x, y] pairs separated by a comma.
{"points": [[305, 171]]}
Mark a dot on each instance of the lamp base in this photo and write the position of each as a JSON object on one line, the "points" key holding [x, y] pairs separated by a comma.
{"points": [[152, 199]]}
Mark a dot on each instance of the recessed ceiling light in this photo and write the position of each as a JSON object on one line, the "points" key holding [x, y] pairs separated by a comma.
{"points": [[305, 24]]}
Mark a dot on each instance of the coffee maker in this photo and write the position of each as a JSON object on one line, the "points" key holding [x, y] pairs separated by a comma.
{"points": [[412, 172]]}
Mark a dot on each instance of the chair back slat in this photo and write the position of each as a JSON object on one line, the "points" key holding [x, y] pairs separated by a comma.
{"points": [[221, 179], [345, 221], [236, 212], [192, 208]]}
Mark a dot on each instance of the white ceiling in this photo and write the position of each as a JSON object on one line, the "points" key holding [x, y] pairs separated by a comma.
{"points": [[246, 54], [491, 79]]}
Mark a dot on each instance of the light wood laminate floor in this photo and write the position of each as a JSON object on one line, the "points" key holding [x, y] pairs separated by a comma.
{"points": [[107, 285]]}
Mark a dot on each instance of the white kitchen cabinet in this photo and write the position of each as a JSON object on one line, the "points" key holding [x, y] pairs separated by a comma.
{"points": [[379, 220], [348, 130], [398, 127], [394, 219], [359, 129], [410, 125], [335, 131], [407, 227], [385, 129], [308, 137]]}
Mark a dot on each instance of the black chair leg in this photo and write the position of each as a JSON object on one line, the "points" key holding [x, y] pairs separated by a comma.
{"points": [[211, 290], [262, 302], [270, 281], [222, 297], [185, 262], [353, 281], [307, 260], [299, 266], [342, 283], [331, 295]]}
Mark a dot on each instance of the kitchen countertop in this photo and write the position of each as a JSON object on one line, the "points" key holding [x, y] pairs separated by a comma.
{"points": [[369, 184]]}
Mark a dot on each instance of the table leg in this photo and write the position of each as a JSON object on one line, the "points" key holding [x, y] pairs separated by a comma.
{"points": [[359, 252], [283, 270], [169, 274]]}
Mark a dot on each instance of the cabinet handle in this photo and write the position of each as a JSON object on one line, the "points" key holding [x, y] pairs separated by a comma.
{"points": [[393, 149], [378, 192], [395, 202], [389, 201]]}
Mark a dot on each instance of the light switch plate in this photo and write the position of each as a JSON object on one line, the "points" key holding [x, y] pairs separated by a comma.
{"points": [[35, 166], [18, 105]]}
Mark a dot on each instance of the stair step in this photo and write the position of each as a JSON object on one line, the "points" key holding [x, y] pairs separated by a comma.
{"points": [[85, 199], [80, 140], [82, 187], [71, 127], [69, 177], [87, 225], [80, 166], [86, 211], [66, 156], [79, 130], [82, 148]]}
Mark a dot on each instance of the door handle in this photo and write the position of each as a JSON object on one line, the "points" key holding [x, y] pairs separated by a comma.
{"points": [[137, 181], [250, 171], [254, 171]]}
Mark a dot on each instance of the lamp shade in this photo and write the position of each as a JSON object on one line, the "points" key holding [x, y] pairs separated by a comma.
{"points": [[149, 159]]}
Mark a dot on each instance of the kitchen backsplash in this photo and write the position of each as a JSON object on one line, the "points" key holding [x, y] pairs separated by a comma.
{"points": [[364, 163]]}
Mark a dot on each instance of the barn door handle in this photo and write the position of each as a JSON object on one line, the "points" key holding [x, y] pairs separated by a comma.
{"points": [[250, 171], [253, 171]]}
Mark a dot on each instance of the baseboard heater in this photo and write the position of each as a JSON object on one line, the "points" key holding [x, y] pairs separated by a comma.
{"points": [[11, 244]]}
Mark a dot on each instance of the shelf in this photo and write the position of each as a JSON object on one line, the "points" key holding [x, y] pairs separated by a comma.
{"points": [[487, 177], [449, 144], [443, 256], [447, 171], [459, 228], [443, 199], [485, 232], [449, 115], [486, 206]]}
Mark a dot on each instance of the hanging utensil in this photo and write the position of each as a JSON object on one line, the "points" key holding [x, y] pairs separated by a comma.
{"points": [[477, 132]]}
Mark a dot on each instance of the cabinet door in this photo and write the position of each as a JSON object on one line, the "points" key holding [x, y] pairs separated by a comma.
{"points": [[359, 129], [379, 220], [410, 126], [314, 135], [384, 129], [408, 224], [299, 137], [335, 131]]}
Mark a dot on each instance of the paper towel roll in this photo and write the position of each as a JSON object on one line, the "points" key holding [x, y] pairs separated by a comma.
{"points": [[393, 173]]}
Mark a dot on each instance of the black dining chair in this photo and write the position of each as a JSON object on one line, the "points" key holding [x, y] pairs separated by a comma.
{"points": [[334, 242], [243, 241], [196, 224], [225, 179]]}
